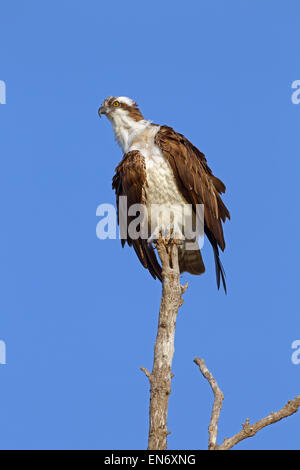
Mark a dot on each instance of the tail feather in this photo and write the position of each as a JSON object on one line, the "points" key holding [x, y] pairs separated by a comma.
{"points": [[190, 261], [220, 273]]}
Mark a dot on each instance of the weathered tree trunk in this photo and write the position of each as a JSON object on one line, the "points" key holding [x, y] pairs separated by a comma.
{"points": [[161, 375]]}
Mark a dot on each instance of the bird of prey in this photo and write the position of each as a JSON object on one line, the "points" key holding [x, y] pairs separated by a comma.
{"points": [[162, 167]]}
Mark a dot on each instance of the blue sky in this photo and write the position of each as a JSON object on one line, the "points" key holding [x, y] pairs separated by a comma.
{"points": [[79, 315]]}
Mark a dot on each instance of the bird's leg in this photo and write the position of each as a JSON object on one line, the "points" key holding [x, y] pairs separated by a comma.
{"points": [[172, 234], [167, 244], [155, 236], [167, 234]]}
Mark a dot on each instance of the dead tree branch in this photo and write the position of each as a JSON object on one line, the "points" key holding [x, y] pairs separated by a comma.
{"points": [[161, 375], [248, 430], [217, 406]]}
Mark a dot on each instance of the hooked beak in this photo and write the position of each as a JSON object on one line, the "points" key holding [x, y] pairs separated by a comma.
{"points": [[101, 110]]}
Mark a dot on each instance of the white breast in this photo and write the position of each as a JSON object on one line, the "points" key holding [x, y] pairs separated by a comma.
{"points": [[161, 184], [161, 188]]}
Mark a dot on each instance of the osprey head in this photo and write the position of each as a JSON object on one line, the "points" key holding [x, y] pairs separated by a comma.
{"points": [[120, 106]]}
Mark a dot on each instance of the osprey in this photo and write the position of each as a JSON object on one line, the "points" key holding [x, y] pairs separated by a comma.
{"points": [[162, 167]]}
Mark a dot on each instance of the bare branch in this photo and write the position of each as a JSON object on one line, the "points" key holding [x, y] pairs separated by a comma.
{"points": [[146, 372], [217, 406], [184, 288], [161, 375], [248, 430]]}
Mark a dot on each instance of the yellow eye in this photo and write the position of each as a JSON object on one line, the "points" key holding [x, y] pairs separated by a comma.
{"points": [[116, 104]]}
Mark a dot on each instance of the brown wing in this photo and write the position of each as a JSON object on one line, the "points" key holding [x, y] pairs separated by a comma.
{"points": [[128, 181], [198, 185]]}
